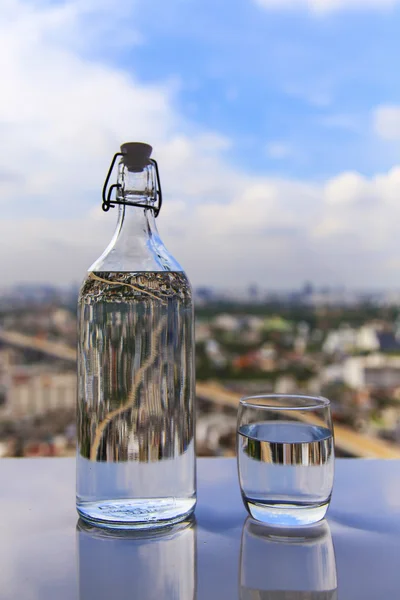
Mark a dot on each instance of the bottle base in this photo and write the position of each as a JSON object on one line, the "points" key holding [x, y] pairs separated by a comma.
{"points": [[136, 514]]}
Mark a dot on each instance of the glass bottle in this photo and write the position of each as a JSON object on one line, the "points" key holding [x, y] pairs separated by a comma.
{"points": [[136, 386]]}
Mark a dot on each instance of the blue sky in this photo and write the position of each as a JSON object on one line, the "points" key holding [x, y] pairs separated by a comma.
{"points": [[275, 123], [258, 77], [307, 82]]}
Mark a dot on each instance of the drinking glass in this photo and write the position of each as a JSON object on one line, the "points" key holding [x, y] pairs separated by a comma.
{"points": [[285, 456], [297, 564]]}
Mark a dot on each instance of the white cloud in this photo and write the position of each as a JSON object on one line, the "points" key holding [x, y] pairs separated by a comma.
{"points": [[386, 121], [326, 6], [278, 150], [62, 115], [347, 189], [341, 231], [316, 94], [359, 216], [346, 122], [59, 114]]}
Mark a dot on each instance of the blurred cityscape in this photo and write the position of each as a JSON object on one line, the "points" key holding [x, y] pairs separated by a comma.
{"points": [[340, 344]]}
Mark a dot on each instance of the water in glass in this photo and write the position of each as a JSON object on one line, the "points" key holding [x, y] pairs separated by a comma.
{"points": [[286, 471]]}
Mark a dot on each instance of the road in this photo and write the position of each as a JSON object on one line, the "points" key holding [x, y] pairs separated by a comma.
{"points": [[346, 439], [53, 349]]}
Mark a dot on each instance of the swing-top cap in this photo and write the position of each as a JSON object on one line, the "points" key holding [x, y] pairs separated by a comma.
{"points": [[136, 155]]}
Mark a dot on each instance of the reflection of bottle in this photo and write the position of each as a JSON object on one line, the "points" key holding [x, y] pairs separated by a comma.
{"points": [[282, 564], [135, 421], [123, 565]]}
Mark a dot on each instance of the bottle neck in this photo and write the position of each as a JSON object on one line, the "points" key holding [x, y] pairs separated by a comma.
{"points": [[135, 231], [136, 245], [137, 187], [136, 225]]}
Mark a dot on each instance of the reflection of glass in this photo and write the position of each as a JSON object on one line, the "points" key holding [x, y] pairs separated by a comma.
{"points": [[287, 564], [285, 458], [122, 565]]}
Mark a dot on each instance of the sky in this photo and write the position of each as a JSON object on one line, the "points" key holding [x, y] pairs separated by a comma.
{"points": [[275, 123]]}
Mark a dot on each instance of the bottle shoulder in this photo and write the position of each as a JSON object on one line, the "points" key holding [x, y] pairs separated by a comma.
{"points": [[149, 256]]}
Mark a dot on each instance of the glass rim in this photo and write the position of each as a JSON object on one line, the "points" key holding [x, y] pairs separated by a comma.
{"points": [[294, 402]]}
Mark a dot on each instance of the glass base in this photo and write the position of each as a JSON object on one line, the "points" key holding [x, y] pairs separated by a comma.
{"points": [[286, 515], [148, 513]]}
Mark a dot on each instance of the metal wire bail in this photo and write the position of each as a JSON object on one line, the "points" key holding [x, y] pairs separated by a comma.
{"points": [[109, 202]]}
